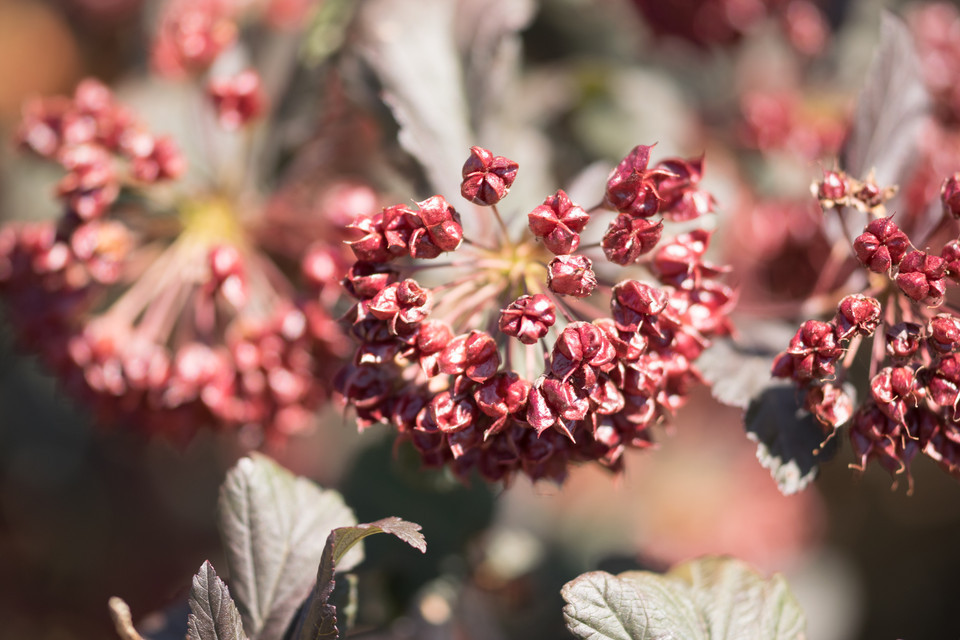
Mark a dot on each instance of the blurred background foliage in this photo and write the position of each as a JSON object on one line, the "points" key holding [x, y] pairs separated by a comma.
{"points": [[88, 512]]}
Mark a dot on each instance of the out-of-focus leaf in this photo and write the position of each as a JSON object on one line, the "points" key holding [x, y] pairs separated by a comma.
{"points": [[274, 526], [788, 437], [214, 615], [631, 606], [327, 29], [890, 109], [737, 602], [319, 620], [739, 369], [411, 46], [706, 599], [448, 68]]}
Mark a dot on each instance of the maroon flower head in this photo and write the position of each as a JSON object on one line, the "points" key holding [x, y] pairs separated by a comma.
{"points": [[558, 222], [528, 318], [903, 340], [881, 245], [571, 276], [487, 178]]}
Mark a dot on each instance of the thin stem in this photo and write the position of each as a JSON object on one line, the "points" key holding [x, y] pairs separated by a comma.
{"points": [[470, 242], [503, 226]]}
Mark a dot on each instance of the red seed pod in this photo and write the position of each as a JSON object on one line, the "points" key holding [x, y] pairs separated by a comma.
{"points": [[951, 258], [950, 196], [814, 349], [433, 336], [580, 343], [438, 231], [681, 200], [943, 382], [636, 303], [558, 222], [571, 276], [833, 188], [528, 318], [501, 396], [487, 178], [452, 413], [565, 401], [881, 245], [365, 279], [922, 277], [238, 99], [474, 355], [875, 436], [403, 305], [944, 333], [869, 194], [628, 238], [631, 187], [894, 391], [399, 223], [829, 404], [858, 314], [370, 245]]}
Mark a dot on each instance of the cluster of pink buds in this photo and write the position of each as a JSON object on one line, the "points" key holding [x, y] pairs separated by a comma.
{"points": [[162, 308], [721, 22], [913, 390], [495, 357], [783, 121]]}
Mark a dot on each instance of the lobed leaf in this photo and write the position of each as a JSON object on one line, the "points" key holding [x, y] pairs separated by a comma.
{"points": [[705, 599], [274, 526], [890, 110], [789, 439], [319, 619], [737, 602], [214, 615], [631, 606], [738, 370]]}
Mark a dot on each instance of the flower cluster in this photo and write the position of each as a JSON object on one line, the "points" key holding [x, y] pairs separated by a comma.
{"points": [[496, 359], [719, 22], [152, 298], [913, 390]]}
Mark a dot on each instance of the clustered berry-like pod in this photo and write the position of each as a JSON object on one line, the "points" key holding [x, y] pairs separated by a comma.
{"points": [[161, 309], [513, 367], [914, 379], [837, 190]]}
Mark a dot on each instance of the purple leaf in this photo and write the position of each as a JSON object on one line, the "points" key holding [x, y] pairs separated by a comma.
{"points": [[891, 108]]}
